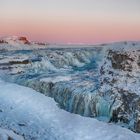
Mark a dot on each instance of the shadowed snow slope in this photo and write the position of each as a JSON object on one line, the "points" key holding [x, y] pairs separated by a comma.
{"points": [[36, 116]]}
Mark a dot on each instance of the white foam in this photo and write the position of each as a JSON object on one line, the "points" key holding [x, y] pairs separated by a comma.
{"points": [[56, 79]]}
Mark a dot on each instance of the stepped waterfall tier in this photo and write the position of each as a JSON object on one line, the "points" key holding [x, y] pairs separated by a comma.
{"points": [[100, 82]]}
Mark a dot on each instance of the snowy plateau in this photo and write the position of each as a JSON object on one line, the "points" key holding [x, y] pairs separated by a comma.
{"points": [[69, 92]]}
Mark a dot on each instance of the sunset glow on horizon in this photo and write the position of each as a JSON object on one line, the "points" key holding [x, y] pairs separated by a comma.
{"points": [[71, 21]]}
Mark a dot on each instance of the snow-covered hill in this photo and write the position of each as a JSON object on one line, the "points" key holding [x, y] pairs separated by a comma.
{"points": [[19, 43], [14, 40]]}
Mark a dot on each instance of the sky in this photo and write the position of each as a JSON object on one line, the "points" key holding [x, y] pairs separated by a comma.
{"points": [[71, 21]]}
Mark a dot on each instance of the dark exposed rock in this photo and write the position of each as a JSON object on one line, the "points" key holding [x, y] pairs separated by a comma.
{"points": [[21, 124], [3, 41], [120, 61], [137, 125], [138, 61], [19, 62], [40, 43], [10, 138], [24, 40]]}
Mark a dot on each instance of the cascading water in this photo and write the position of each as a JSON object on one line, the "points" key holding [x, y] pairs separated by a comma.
{"points": [[70, 76], [74, 78]]}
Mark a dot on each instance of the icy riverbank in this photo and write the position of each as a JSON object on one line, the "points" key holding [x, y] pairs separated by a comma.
{"points": [[36, 116]]}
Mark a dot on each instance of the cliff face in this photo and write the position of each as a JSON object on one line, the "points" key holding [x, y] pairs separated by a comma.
{"points": [[120, 82]]}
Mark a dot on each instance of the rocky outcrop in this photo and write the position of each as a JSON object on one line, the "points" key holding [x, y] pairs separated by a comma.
{"points": [[120, 76], [24, 40], [40, 43], [19, 62], [3, 41], [123, 61]]}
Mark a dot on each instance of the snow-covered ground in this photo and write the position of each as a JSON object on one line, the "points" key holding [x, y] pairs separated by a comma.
{"points": [[9, 135], [37, 117]]}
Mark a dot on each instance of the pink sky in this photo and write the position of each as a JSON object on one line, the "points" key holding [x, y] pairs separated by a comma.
{"points": [[58, 21]]}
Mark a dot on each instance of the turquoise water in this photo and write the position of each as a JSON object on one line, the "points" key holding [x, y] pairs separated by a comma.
{"points": [[81, 66]]}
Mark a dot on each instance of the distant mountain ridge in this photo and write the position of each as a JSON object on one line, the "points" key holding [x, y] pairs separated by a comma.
{"points": [[23, 43]]}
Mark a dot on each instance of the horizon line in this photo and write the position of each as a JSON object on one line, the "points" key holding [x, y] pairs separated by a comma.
{"points": [[69, 43]]}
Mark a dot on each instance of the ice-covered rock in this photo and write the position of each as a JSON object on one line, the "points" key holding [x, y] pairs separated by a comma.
{"points": [[120, 81]]}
